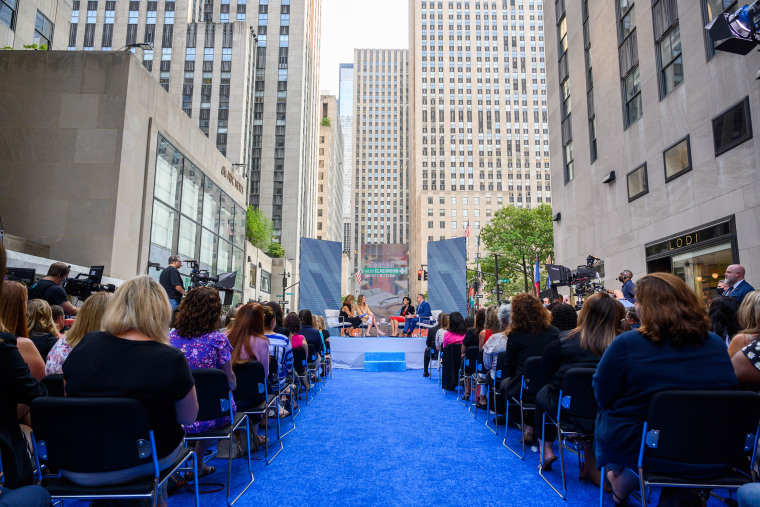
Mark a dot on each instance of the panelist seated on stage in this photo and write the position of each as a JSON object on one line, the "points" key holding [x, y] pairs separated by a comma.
{"points": [[423, 314], [407, 309], [348, 313]]}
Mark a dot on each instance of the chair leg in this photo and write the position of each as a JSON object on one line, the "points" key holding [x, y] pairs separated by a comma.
{"points": [[601, 488]]}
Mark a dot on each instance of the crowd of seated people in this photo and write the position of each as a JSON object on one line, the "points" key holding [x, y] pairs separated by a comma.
{"points": [[123, 345]]}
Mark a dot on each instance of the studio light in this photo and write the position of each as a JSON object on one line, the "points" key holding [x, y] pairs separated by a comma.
{"points": [[557, 217], [738, 32], [609, 177]]}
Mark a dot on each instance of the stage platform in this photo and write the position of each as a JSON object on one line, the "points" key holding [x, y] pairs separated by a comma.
{"points": [[348, 352]]}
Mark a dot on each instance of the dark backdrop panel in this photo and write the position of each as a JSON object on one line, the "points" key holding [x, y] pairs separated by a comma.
{"points": [[320, 276], [447, 275]]}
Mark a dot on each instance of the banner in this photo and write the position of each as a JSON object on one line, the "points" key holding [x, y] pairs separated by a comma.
{"points": [[385, 277], [447, 275], [319, 289]]}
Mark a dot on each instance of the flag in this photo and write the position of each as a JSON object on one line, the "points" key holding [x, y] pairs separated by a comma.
{"points": [[467, 230], [537, 276], [358, 276]]}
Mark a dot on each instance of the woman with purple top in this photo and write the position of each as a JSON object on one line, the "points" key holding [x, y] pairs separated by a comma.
{"points": [[197, 336]]}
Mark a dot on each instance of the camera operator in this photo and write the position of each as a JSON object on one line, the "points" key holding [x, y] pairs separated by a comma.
{"points": [[172, 282], [628, 286], [49, 288]]}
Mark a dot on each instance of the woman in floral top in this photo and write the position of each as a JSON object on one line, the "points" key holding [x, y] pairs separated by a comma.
{"points": [[197, 335], [88, 320]]}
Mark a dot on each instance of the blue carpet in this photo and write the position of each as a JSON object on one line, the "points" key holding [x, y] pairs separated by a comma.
{"points": [[393, 438]]}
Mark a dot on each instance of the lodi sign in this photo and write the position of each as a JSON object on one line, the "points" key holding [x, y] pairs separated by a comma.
{"points": [[229, 175]]}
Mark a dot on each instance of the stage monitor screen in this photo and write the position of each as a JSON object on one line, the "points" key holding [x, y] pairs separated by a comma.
{"points": [[384, 277], [23, 275], [320, 272], [96, 274], [447, 275]]}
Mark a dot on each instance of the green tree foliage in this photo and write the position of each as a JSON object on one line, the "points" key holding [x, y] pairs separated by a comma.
{"points": [[517, 235], [276, 250], [258, 228], [326, 122]]}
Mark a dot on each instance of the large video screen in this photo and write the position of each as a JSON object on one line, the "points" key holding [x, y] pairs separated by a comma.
{"points": [[385, 277], [319, 289], [447, 275]]}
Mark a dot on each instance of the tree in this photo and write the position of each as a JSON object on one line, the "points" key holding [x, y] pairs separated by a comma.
{"points": [[258, 228], [518, 235], [326, 122], [275, 250]]}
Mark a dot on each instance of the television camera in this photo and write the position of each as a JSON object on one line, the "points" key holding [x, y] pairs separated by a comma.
{"points": [[223, 282], [583, 282], [85, 285]]}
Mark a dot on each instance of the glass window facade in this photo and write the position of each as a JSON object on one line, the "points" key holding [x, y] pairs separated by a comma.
{"points": [[194, 218]]}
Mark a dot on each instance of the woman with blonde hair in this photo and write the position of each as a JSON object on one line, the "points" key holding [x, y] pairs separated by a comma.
{"points": [[348, 314], [362, 308], [131, 358], [13, 321], [747, 341], [88, 320], [41, 327]]}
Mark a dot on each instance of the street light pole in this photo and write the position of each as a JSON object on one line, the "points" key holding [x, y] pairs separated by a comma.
{"points": [[496, 272]]}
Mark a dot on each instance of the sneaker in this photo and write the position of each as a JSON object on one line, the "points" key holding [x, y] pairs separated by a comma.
{"points": [[426, 374]]}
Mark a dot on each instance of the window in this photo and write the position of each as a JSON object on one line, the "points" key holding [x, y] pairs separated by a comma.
{"points": [[266, 281], [627, 18], [562, 35], [710, 10], [568, 157], [732, 128], [677, 159], [43, 30], [8, 9], [637, 183], [632, 94], [669, 56]]}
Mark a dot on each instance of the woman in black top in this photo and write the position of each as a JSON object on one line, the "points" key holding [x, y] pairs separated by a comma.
{"points": [[42, 330], [406, 309], [530, 334], [598, 324], [132, 358], [347, 312]]}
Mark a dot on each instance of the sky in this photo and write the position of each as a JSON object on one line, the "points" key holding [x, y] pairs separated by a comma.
{"points": [[349, 24]]}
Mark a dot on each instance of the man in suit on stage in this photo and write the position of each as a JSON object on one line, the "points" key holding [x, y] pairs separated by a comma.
{"points": [[423, 314], [738, 287]]}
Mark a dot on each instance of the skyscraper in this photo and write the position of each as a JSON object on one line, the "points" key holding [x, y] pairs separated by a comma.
{"points": [[479, 134], [381, 146], [346, 113], [329, 181]]}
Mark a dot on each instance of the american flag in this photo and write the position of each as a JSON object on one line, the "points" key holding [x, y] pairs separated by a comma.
{"points": [[467, 230]]}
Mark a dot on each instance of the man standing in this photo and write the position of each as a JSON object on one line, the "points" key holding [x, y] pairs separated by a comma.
{"points": [[172, 282], [423, 313], [626, 279], [738, 287], [49, 288]]}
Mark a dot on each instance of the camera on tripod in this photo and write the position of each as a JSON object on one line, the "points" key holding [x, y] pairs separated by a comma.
{"points": [[223, 282], [583, 282], [85, 285]]}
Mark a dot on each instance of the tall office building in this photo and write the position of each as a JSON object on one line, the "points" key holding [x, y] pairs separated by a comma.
{"points": [[329, 182], [381, 147], [249, 94], [346, 113], [656, 166], [479, 131], [34, 22]]}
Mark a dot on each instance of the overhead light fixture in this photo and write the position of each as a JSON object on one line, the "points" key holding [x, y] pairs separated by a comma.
{"points": [[738, 32], [557, 217], [609, 177]]}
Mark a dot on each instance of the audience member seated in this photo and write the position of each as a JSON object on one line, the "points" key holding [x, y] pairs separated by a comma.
{"points": [[248, 339], [348, 313], [492, 326], [229, 318], [406, 309], [13, 317], [279, 327], [281, 349], [430, 349], [311, 334], [529, 336], [471, 339], [496, 344], [578, 347], [632, 318], [59, 318], [443, 319], [318, 322], [132, 358], [455, 331], [723, 312], [197, 335], [39, 323], [364, 312], [88, 320], [747, 363], [17, 390], [673, 349], [297, 340]]}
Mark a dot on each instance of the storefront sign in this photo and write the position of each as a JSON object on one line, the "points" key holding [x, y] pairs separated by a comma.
{"points": [[689, 239], [230, 176]]}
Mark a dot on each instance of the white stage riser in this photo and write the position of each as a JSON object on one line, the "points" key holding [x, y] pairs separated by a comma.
{"points": [[349, 352]]}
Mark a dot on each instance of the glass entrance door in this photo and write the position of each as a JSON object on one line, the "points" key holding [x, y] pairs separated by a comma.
{"points": [[703, 269]]}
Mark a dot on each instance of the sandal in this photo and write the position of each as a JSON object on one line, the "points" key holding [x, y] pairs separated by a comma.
{"points": [[260, 440], [189, 476], [547, 466]]}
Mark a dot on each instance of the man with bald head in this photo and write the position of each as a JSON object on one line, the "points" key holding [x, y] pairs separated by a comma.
{"points": [[738, 287]]}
